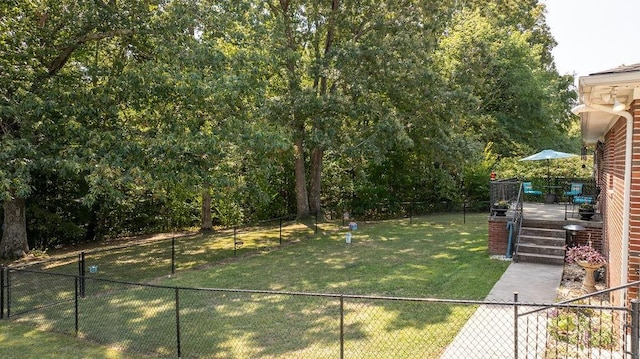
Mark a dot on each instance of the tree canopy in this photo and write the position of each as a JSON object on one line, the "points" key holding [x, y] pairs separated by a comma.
{"points": [[122, 117]]}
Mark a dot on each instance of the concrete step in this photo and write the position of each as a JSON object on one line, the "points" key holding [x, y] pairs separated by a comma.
{"points": [[540, 258], [543, 232], [541, 245], [541, 249], [542, 241]]}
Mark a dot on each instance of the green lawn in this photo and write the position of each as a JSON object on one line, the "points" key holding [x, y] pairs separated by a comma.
{"points": [[24, 341], [153, 259], [435, 256]]}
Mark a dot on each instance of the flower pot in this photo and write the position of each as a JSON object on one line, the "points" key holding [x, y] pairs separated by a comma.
{"points": [[586, 215], [500, 212]]}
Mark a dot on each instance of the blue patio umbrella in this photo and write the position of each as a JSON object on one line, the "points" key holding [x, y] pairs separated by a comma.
{"points": [[548, 155]]}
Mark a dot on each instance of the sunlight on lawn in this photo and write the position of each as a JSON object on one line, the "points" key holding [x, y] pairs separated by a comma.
{"points": [[434, 257]]}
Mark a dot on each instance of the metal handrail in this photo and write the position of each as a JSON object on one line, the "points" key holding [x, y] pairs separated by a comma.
{"points": [[518, 218], [587, 296]]}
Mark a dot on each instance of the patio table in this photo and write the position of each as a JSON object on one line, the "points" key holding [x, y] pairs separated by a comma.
{"points": [[551, 194]]}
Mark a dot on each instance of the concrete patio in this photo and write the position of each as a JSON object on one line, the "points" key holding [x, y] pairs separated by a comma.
{"points": [[553, 212]]}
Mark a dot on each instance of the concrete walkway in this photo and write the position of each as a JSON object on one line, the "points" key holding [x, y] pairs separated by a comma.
{"points": [[489, 332], [535, 283]]}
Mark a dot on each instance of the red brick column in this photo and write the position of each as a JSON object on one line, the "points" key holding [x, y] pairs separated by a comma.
{"points": [[498, 235]]}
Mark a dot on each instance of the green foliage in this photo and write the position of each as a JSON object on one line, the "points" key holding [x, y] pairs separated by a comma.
{"points": [[563, 168], [582, 328], [54, 214], [476, 171], [496, 70], [136, 108], [503, 204], [587, 207]]}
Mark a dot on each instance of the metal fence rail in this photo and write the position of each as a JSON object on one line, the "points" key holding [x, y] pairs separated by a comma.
{"points": [[573, 331], [181, 252], [166, 256], [164, 321]]}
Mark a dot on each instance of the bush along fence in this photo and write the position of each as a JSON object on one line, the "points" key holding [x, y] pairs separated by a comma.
{"points": [[165, 321]]}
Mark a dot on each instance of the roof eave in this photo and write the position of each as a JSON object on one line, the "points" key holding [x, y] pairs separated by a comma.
{"points": [[595, 124]]}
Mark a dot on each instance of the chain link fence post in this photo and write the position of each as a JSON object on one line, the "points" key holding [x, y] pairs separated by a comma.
{"points": [[173, 255], [77, 317], [515, 325], [341, 326], [635, 333], [81, 272], [2, 274], [178, 323], [411, 211], [8, 294], [235, 242]]}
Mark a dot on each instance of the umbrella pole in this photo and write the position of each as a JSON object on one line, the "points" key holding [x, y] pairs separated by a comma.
{"points": [[548, 178]]}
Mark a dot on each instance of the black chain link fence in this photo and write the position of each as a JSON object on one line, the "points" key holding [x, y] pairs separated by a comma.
{"points": [[194, 250], [162, 321], [194, 323], [177, 252]]}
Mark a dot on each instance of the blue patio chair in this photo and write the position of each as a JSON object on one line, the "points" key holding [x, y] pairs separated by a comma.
{"points": [[574, 190], [527, 188], [583, 199]]}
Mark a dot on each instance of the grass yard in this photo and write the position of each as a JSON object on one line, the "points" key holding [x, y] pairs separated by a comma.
{"points": [[23, 341], [152, 259], [435, 256]]}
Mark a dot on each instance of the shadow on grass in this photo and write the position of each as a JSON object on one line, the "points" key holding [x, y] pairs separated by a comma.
{"points": [[423, 259], [237, 324]]}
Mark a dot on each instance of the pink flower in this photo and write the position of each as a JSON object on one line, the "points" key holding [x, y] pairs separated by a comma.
{"points": [[584, 254]]}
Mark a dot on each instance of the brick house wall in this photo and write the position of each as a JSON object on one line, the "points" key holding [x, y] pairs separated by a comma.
{"points": [[611, 199], [634, 220], [593, 235], [611, 202]]}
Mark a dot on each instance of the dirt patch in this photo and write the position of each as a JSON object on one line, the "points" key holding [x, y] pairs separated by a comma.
{"points": [[571, 283]]}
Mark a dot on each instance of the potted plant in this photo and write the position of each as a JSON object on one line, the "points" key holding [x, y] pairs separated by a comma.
{"points": [[501, 207], [586, 211], [588, 258]]}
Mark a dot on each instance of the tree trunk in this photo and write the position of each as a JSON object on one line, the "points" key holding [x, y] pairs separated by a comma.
{"points": [[316, 180], [318, 152], [302, 197], [13, 244], [207, 222]]}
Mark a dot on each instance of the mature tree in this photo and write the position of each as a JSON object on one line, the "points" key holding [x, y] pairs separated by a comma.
{"points": [[503, 88], [342, 65], [143, 103], [489, 84], [47, 50]]}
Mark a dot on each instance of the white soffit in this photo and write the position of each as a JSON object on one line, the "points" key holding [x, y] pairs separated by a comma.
{"points": [[598, 89]]}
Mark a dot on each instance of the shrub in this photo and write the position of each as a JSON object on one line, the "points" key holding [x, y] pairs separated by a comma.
{"points": [[584, 254]]}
